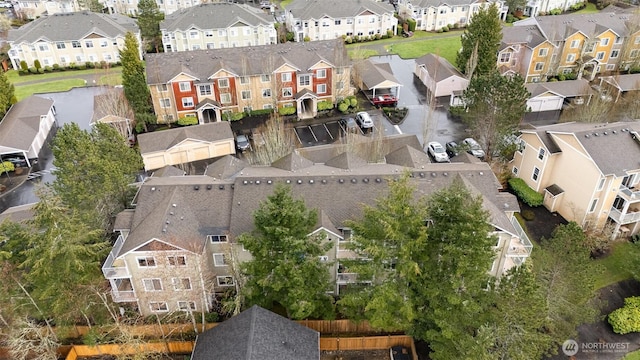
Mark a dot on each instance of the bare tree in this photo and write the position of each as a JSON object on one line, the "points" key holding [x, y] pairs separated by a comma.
{"points": [[28, 340], [277, 141], [112, 107], [598, 109]]}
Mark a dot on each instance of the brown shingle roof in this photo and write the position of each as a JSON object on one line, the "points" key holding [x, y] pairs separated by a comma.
{"points": [[21, 124], [166, 139]]}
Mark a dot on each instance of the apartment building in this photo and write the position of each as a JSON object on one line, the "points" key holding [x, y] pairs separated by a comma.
{"points": [[215, 26], [33, 9], [544, 7], [587, 45], [588, 173], [130, 7], [210, 84], [333, 19], [432, 15], [178, 248], [68, 38]]}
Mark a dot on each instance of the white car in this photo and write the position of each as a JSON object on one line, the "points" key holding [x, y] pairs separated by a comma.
{"points": [[438, 152], [473, 148], [364, 120]]}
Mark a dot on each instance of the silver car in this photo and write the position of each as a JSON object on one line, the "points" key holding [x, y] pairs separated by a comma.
{"points": [[473, 148], [364, 120], [437, 151]]}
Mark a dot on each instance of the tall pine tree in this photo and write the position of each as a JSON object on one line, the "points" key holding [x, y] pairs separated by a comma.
{"points": [[149, 17], [480, 43], [134, 81], [7, 94]]}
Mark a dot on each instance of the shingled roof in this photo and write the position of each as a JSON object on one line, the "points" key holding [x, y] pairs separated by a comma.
{"points": [[530, 36], [567, 88], [215, 16], [73, 26], [317, 9], [438, 67], [21, 124], [258, 334], [166, 139], [558, 27], [245, 61]]}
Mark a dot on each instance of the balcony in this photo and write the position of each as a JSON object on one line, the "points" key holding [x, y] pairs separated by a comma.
{"points": [[114, 272], [629, 194], [623, 219], [123, 296], [347, 278], [522, 247]]}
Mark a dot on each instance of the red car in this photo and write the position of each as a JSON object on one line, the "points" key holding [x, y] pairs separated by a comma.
{"points": [[384, 100]]}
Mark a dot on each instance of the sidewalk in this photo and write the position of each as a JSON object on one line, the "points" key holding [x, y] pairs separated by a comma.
{"points": [[13, 181]]}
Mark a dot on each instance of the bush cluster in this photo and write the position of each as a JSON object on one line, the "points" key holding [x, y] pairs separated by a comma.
{"points": [[348, 104], [260, 112], [626, 319], [38, 69], [525, 193], [287, 110], [325, 105], [186, 121]]}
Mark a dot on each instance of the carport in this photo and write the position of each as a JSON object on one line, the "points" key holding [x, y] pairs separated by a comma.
{"points": [[377, 77]]}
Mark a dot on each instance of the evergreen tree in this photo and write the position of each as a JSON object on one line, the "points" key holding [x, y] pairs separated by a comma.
{"points": [[453, 285], [94, 171], [496, 104], [7, 94], [391, 236], [285, 266], [133, 80], [149, 17], [480, 43]]}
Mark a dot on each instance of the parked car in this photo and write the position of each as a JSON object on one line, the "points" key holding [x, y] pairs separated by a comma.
{"points": [[242, 142], [452, 148], [384, 100], [349, 124], [473, 148], [437, 151], [364, 120], [17, 161]]}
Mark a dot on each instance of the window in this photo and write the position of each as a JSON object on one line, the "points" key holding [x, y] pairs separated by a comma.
{"points": [[88, 44], [505, 57], [593, 205], [219, 260], [208, 33], [601, 184], [60, 45], [539, 66], [590, 48], [637, 40], [536, 173], [604, 41], [600, 55], [266, 93], [185, 86], [615, 53], [265, 78], [218, 238], [515, 171], [575, 44], [610, 67], [304, 80], [618, 40], [43, 47], [321, 88], [321, 74], [223, 83], [267, 106], [195, 47], [244, 80], [541, 153], [177, 260], [168, 117], [147, 261], [542, 52], [193, 34], [285, 77], [186, 305], [340, 71], [571, 58], [246, 94], [107, 57], [187, 102], [205, 89], [634, 53], [222, 32], [181, 284], [233, 32], [162, 87], [286, 92], [152, 284], [165, 103], [350, 21], [211, 46], [225, 98], [339, 85], [225, 280], [158, 306], [76, 44], [337, 22], [104, 43]]}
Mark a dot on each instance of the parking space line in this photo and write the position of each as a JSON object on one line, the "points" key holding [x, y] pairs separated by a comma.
{"points": [[297, 136], [327, 129], [313, 133]]}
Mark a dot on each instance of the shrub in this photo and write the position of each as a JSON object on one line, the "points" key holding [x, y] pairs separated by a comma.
{"points": [[325, 105], [23, 65], [348, 40], [233, 116], [89, 65], [6, 167], [445, 28], [511, 18], [56, 67], [81, 67], [33, 70], [555, 12], [627, 318], [525, 193], [307, 39], [353, 102], [188, 120], [260, 112], [290, 36], [412, 24], [289, 110], [71, 66], [343, 107], [457, 110], [528, 215], [48, 69], [103, 64], [571, 76], [378, 36], [389, 33], [36, 64]]}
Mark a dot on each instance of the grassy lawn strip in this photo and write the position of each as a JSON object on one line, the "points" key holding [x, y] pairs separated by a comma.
{"points": [[16, 79], [616, 264], [445, 47], [62, 85], [589, 9], [632, 356], [111, 80], [356, 54]]}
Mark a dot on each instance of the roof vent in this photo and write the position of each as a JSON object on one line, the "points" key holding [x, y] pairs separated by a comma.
{"points": [[299, 181], [245, 182], [586, 135], [171, 213], [209, 187], [605, 133], [481, 173], [614, 132], [365, 180], [445, 174], [354, 180], [434, 174], [340, 181], [221, 187], [268, 181], [196, 187], [378, 180], [167, 222], [421, 174], [288, 181], [153, 188], [174, 205], [596, 134]]}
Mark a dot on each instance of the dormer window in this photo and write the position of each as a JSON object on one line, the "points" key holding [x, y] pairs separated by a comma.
{"points": [[218, 238]]}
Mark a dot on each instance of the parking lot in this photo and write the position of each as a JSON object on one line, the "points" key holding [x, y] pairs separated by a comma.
{"points": [[331, 130]]}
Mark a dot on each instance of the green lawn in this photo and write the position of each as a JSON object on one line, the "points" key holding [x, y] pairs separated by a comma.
{"points": [[446, 47], [589, 9], [54, 86], [356, 54], [111, 79], [616, 264], [16, 79]]}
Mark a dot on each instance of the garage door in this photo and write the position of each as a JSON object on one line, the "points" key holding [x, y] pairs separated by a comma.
{"points": [[546, 104]]}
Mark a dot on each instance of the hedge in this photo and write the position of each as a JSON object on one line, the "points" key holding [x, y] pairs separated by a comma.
{"points": [[626, 319], [6, 167], [260, 112], [325, 105], [287, 110], [525, 193], [188, 120]]}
